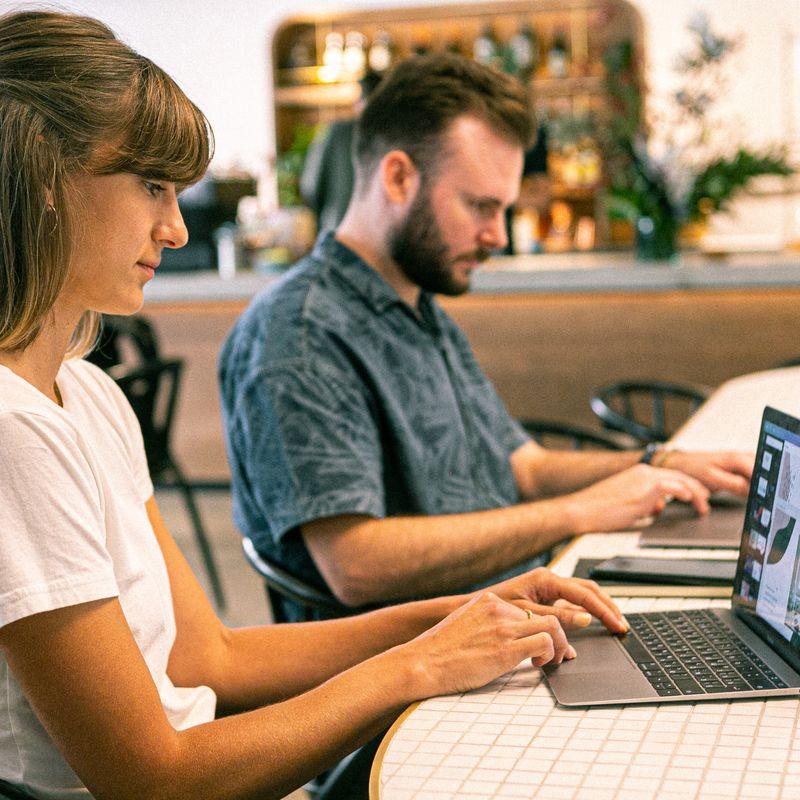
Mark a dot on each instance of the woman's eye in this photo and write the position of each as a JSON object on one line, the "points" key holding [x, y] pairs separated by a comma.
{"points": [[153, 188]]}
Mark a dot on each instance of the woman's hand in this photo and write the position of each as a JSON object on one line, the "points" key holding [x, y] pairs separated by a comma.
{"points": [[484, 638], [573, 601]]}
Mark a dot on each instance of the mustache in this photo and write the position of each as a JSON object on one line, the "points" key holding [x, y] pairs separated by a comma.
{"points": [[480, 255]]}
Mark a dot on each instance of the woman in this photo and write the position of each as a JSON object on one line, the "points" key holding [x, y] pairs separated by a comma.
{"points": [[116, 678]]}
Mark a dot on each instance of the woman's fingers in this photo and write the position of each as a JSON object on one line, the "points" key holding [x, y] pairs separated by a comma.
{"points": [[587, 595], [532, 630]]}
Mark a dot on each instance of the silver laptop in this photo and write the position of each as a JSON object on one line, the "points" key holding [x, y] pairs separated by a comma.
{"points": [[679, 526], [750, 650]]}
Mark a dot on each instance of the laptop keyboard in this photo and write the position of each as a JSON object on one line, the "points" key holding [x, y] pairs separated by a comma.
{"points": [[694, 652]]}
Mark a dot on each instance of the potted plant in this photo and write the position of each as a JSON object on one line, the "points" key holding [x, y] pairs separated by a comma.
{"points": [[675, 165]]}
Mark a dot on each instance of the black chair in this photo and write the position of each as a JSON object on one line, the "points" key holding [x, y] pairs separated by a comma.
{"points": [[649, 411], [151, 385], [565, 436], [790, 362], [280, 585], [9, 792]]}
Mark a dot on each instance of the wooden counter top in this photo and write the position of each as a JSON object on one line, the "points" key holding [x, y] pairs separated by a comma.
{"points": [[541, 274]]}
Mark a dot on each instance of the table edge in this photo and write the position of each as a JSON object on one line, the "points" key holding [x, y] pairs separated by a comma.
{"points": [[377, 762]]}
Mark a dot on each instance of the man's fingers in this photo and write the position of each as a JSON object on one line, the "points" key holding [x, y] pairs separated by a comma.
{"points": [[728, 481], [685, 488]]}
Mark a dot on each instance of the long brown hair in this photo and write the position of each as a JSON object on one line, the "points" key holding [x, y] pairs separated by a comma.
{"points": [[73, 98]]}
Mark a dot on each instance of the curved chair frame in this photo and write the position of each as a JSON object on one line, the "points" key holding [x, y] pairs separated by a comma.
{"points": [[549, 433], [613, 405], [281, 584]]}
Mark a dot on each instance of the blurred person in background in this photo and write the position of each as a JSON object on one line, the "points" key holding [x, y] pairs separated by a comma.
{"points": [[326, 183]]}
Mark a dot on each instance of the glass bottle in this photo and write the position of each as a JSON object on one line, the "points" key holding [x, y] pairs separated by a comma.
{"points": [[558, 56], [354, 58], [486, 49], [522, 53], [380, 52]]}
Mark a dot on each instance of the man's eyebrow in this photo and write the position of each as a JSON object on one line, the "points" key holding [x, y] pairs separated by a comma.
{"points": [[483, 199]]}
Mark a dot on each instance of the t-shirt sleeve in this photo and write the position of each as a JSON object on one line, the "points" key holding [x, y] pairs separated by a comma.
{"points": [[52, 531], [308, 446]]}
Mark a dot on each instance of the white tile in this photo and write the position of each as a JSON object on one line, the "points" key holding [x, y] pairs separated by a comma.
{"points": [[482, 788], [684, 774]]}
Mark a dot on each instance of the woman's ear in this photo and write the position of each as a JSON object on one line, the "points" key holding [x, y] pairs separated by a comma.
{"points": [[399, 177]]}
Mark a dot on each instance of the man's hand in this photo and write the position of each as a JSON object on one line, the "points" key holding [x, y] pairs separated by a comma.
{"points": [[718, 472], [622, 501]]}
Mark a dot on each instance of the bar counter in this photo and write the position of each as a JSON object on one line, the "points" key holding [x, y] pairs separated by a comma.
{"points": [[547, 330], [564, 273]]}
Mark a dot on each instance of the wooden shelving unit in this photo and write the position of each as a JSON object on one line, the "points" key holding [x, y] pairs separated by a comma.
{"points": [[308, 93]]}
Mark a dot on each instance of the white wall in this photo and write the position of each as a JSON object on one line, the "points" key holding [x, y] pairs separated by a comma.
{"points": [[218, 51]]}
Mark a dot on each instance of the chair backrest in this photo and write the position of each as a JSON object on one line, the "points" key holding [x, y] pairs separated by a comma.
{"points": [[564, 436], [281, 583], [650, 411], [10, 792], [124, 339], [152, 390], [789, 362]]}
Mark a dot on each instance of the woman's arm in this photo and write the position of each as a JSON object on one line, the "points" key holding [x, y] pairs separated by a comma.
{"points": [[83, 674], [249, 667]]}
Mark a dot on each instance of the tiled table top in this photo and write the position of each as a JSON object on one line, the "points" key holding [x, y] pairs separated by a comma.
{"points": [[510, 740]]}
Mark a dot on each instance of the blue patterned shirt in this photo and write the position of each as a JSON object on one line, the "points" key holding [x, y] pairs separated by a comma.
{"points": [[339, 399]]}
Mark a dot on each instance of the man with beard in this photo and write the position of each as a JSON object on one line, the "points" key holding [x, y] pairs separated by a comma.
{"points": [[369, 452]]}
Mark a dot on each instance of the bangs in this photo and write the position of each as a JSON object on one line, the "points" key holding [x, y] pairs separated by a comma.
{"points": [[164, 135]]}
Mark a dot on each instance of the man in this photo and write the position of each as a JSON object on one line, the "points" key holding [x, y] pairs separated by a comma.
{"points": [[369, 452]]}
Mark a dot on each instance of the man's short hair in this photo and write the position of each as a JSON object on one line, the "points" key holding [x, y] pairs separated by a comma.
{"points": [[417, 102]]}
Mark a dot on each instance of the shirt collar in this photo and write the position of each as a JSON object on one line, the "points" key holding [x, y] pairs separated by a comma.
{"points": [[366, 282]]}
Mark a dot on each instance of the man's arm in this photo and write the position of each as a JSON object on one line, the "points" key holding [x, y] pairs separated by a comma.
{"points": [[366, 560], [539, 472]]}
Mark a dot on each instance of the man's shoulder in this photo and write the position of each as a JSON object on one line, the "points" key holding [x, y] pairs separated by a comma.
{"points": [[291, 319]]}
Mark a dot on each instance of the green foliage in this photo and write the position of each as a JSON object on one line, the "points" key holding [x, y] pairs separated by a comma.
{"points": [[717, 183], [289, 165], [682, 185]]}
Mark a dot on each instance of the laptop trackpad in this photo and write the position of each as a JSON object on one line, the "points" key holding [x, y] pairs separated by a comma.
{"points": [[602, 672]]}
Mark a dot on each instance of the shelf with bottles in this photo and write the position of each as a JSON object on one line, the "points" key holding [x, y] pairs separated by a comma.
{"points": [[554, 47]]}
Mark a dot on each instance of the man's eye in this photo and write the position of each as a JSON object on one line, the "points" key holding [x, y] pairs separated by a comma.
{"points": [[483, 208], [153, 188]]}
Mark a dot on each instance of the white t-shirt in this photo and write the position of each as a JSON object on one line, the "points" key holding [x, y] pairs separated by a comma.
{"points": [[73, 528]]}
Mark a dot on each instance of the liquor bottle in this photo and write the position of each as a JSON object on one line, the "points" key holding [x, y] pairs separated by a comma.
{"points": [[558, 57], [486, 49], [354, 58], [522, 53], [381, 52], [334, 51]]}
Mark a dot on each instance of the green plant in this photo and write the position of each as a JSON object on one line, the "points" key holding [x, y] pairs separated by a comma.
{"points": [[289, 165], [677, 165]]}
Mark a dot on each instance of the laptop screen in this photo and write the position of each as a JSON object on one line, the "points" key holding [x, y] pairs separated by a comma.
{"points": [[767, 585]]}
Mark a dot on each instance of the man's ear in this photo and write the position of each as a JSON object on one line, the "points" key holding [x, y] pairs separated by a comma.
{"points": [[399, 177]]}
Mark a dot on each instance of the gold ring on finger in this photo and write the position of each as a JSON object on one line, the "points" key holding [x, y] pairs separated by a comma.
{"points": [[529, 613]]}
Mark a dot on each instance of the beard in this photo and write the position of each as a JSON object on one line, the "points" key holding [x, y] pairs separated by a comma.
{"points": [[418, 248]]}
